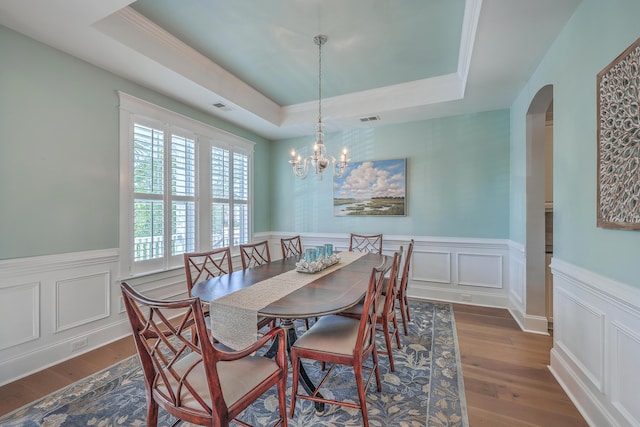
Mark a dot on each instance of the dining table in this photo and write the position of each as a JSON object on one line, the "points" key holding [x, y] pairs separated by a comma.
{"points": [[279, 290]]}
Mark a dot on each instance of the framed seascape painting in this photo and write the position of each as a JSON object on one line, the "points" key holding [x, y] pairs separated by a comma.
{"points": [[371, 188]]}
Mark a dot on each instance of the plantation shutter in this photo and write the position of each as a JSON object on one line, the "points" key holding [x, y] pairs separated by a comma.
{"points": [[240, 198], [183, 195], [148, 177], [220, 202]]}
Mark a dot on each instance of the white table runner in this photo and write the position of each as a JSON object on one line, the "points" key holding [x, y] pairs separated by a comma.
{"points": [[234, 317]]}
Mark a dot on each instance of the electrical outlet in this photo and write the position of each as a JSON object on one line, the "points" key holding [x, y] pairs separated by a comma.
{"points": [[78, 344], [465, 297]]}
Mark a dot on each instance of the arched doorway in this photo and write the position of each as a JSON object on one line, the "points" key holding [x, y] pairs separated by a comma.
{"points": [[536, 296]]}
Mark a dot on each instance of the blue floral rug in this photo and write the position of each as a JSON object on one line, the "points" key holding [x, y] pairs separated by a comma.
{"points": [[425, 390]]}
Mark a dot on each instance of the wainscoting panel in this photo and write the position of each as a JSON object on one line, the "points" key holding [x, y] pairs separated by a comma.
{"points": [[575, 320], [597, 344], [82, 300], [431, 266], [483, 270], [625, 377], [20, 308]]}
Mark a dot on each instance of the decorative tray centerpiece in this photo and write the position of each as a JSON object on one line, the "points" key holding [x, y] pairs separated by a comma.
{"points": [[318, 265]]}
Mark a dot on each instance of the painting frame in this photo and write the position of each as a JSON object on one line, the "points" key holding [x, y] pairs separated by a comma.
{"points": [[375, 188], [618, 134]]}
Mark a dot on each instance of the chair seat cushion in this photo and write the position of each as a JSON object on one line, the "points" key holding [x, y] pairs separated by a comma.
{"points": [[331, 334], [356, 310], [385, 285], [237, 378]]}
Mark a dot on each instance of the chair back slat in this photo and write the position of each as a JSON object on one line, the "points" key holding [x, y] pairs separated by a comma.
{"points": [[291, 246], [365, 243]]}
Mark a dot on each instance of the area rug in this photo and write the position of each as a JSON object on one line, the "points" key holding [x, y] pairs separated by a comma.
{"points": [[425, 390]]}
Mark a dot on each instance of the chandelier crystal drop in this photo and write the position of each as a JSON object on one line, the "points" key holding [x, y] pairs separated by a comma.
{"points": [[319, 160]]}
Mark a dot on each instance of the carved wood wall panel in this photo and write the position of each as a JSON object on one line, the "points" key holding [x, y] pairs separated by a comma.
{"points": [[618, 88]]}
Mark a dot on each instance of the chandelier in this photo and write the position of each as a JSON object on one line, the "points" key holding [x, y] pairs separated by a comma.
{"points": [[319, 160]]}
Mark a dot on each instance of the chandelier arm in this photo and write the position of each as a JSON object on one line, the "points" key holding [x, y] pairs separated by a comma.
{"points": [[300, 166]]}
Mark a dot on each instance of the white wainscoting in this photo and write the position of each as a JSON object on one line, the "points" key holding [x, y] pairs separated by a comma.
{"points": [[472, 271], [596, 344], [53, 308]]}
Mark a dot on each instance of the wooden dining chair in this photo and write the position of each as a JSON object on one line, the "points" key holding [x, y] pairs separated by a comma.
{"points": [[341, 340], [201, 266], [386, 310], [291, 246], [403, 300], [365, 243], [190, 377], [255, 254]]}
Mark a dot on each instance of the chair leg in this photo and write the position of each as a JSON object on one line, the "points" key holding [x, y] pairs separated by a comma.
{"points": [[295, 363], [357, 369], [396, 332], [406, 306], [152, 412], [387, 341], [376, 368], [404, 316], [282, 400]]}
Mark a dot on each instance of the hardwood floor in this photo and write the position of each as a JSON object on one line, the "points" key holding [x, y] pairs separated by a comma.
{"points": [[505, 372], [506, 375], [32, 387]]}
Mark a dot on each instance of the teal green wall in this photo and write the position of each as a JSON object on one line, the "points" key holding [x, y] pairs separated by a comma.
{"points": [[596, 34], [59, 161], [457, 179]]}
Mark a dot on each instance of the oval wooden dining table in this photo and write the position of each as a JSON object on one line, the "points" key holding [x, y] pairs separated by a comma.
{"points": [[334, 292]]}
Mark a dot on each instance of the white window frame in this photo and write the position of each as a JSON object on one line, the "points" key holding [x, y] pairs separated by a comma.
{"points": [[134, 110]]}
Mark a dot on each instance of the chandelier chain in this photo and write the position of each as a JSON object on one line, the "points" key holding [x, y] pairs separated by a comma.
{"points": [[320, 43]]}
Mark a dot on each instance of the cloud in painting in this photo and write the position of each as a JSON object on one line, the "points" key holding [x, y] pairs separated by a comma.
{"points": [[372, 179]]}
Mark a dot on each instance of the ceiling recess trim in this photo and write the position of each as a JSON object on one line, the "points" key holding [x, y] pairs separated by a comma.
{"points": [[134, 30]]}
